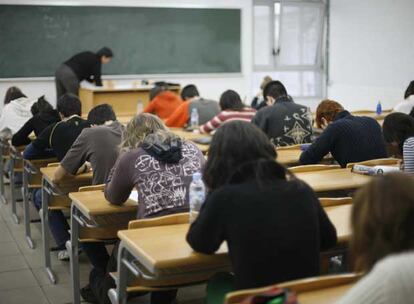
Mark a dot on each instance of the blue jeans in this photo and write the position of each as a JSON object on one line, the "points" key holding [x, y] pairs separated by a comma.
{"points": [[59, 227], [31, 152]]}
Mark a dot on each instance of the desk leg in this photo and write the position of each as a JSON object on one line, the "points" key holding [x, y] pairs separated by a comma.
{"points": [[26, 205], [45, 230], [2, 193], [13, 190], [119, 296], [73, 247]]}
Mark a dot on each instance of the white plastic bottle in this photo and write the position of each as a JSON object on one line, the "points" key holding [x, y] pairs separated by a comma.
{"points": [[194, 118], [197, 196]]}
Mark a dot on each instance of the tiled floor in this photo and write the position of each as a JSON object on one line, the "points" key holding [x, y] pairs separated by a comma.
{"points": [[23, 279]]}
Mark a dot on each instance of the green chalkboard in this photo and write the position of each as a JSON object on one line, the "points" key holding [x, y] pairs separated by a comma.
{"points": [[35, 40]]}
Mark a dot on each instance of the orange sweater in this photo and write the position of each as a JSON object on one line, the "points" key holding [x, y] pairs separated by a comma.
{"points": [[164, 104], [180, 117]]}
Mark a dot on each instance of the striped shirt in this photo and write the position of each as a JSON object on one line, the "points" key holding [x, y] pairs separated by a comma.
{"points": [[391, 281], [224, 116], [408, 155]]}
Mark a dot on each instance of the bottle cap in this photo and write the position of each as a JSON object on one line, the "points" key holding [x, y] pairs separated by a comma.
{"points": [[197, 176]]}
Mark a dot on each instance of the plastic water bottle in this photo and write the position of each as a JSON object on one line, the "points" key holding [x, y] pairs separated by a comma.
{"points": [[379, 108], [197, 195], [194, 118]]}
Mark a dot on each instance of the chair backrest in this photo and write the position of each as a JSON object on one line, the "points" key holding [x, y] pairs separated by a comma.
{"points": [[53, 165], [377, 162], [172, 219], [297, 286], [92, 188], [309, 168], [334, 201]]}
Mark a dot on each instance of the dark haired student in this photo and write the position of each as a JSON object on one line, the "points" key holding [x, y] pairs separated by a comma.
{"points": [[284, 121], [398, 129], [82, 66], [274, 224], [43, 116], [57, 139]]}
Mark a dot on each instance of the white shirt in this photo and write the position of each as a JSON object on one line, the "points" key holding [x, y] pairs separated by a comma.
{"points": [[405, 106], [391, 281], [15, 114]]}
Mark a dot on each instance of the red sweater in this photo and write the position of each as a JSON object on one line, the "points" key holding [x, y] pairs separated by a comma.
{"points": [[164, 104]]}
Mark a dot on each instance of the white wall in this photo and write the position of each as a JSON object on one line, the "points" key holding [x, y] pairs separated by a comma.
{"points": [[371, 51], [210, 86]]}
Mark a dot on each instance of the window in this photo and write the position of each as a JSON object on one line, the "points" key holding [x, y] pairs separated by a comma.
{"points": [[288, 44]]}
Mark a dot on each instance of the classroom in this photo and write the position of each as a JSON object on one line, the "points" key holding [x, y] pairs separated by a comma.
{"points": [[206, 151]]}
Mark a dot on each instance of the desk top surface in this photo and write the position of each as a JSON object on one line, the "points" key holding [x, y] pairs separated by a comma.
{"points": [[335, 179], [166, 247], [93, 203], [191, 136], [49, 172], [325, 295]]}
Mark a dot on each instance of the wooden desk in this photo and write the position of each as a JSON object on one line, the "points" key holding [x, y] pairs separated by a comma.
{"points": [[171, 259], [32, 179], [324, 296], [288, 156], [55, 197], [93, 218], [333, 180], [191, 136], [123, 99]]}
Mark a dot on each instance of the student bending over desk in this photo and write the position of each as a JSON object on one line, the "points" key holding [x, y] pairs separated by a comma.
{"points": [[348, 138], [57, 139], [382, 242], [15, 113], [232, 108], [160, 166], [206, 108], [98, 145], [275, 228], [43, 116], [398, 129], [285, 122]]}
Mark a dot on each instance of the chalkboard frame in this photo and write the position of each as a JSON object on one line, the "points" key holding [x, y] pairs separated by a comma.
{"points": [[125, 4]]}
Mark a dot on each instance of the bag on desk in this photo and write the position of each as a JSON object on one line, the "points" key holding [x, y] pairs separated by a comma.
{"points": [[273, 296]]}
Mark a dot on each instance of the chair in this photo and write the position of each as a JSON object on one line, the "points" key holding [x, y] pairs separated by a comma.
{"points": [[16, 165], [298, 286], [172, 219], [377, 162], [92, 188], [334, 201], [311, 168]]}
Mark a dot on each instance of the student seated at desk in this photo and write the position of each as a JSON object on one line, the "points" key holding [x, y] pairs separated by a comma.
{"points": [[232, 108], [398, 129], [206, 108], [159, 165], [273, 223], [348, 138], [284, 121], [43, 116], [382, 241], [57, 139], [259, 101], [15, 113], [407, 105], [164, 102]]}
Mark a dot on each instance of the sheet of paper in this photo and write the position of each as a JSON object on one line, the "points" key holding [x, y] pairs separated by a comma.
{"points": [[134, 195]]}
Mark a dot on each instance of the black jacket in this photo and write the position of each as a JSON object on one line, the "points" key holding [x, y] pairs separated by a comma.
{"points": [[60, 136], [35, 124], [274, 232], [285, 122], [349, 139], [86, 66]]}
